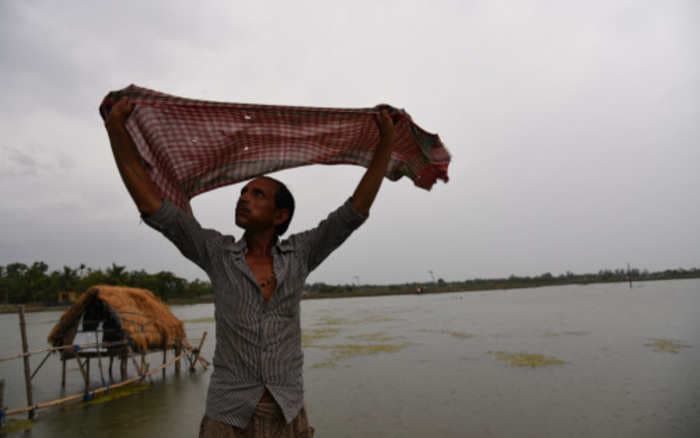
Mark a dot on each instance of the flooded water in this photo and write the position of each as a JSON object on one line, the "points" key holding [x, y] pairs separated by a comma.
{"points": [[613, 362]]}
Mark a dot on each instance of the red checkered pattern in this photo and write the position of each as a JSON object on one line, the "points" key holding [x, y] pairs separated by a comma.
{"points": [[192, 146]]}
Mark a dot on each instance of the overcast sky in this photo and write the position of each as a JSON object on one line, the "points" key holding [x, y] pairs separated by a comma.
{"points": [[574, 127]]}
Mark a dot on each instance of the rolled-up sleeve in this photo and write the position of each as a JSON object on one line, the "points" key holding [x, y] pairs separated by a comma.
{"points": [[193, 241], [329, 234]]}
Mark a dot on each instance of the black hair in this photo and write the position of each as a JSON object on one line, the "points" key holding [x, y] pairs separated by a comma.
{"points": [[285, 200]]}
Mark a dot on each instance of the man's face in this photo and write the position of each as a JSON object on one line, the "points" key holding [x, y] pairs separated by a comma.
{"points": [[255, 209]]}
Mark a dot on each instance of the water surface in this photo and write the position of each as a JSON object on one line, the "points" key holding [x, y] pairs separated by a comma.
{"points": [[429, 365]]}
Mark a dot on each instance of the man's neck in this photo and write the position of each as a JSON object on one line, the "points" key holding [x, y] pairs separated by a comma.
{"points": [[260, 243]]}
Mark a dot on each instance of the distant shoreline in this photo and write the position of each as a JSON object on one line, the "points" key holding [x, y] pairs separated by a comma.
{"points": [[375, 291]]}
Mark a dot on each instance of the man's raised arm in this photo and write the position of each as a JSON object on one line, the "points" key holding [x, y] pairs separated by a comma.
{"points": [[136, 179], [367, 189]]}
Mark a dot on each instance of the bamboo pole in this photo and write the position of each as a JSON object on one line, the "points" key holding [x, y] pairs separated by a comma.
{"points": [[123, 363], [41, 364], [165, 356], [2, 402], [99, 359], [97, 391], [111, 362], [196, 352], [86, 376], [178, 351], [27, 372], [62, 347]]}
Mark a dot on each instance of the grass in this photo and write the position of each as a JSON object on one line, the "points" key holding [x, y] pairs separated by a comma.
{"points": [[527, 359], [666, 346]]}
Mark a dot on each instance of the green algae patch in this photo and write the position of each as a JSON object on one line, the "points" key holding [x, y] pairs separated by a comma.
{"points": [[199, 320], [453, 333], [14, 426], [308, 337], [327, 320], [346, 351], [372, 337], [114, 394], [457, 334], [566, 333], [325, 364], [666, 346], [376, 318], [527, 359]]}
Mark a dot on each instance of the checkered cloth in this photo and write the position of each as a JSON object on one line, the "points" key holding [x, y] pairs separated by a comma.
{"points": [[193, 146]]}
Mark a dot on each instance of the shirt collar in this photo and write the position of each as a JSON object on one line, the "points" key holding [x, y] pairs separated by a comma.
{"points": [[240, 246]]}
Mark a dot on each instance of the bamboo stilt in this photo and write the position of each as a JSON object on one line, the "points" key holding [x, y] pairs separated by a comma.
{"points": [[196, 352], [123, 363], [178, 353], [63, 372], [111, 361], [25, 351], [99, 359], [86, 376], [165, 357], [2, 402]]}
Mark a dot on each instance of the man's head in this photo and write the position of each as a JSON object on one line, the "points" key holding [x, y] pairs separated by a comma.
{"points": [[265, 202]]}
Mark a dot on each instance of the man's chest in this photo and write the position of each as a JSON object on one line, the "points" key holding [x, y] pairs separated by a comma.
{"points": [[262, 268]]}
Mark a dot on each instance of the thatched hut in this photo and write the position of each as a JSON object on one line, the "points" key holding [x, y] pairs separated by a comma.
{"points": [[116, 321], [121, 314]]}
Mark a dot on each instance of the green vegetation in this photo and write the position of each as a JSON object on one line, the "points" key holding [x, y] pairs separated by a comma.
{"points": [[35, 285], [345, 351], [666, 346], [114, 394], [453, 333], [20, 283], [566, 333], [372, 337], [16, 425], [308, 337], [527, 359]]}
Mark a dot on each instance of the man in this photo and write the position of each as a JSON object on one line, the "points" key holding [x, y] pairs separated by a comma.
{"points": [[256, 389]]}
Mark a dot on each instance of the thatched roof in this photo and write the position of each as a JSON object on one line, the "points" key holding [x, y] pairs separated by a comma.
{"points": [[140, 316]]}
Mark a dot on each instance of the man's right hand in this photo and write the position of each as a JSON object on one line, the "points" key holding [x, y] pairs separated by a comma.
{"points": [[119, 113]]}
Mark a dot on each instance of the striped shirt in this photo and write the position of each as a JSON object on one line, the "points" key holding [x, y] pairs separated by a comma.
{"points": [[258, 343]]}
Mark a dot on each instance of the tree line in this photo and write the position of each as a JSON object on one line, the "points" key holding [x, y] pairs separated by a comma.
{"points": [[511, 282], [21, 283]]}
